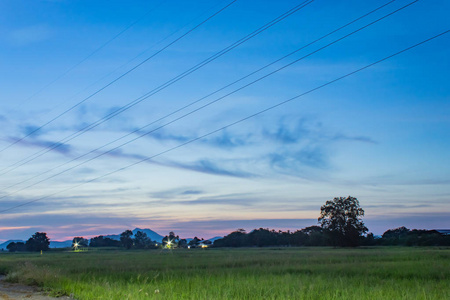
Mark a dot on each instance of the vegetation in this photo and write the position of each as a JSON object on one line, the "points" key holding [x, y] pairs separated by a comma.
{"points": [[258, 273], [341, 220], [38, 242]]}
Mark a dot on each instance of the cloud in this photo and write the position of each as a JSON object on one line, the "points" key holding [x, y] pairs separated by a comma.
{"points": [[241, 199], [363, 139], [164, 136], [192, 192], [30, 35], [31, 131], [313, 157], [209, 167], [225, 140], [289, 132], [58, 147], [176, 193]]}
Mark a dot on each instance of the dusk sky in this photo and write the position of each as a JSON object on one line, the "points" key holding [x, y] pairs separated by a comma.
{"points": [[108, 120]]}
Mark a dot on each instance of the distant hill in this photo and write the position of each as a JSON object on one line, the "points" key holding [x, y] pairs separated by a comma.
{"points": [[5, 244], [64, 244], [150, 233], [215, 238]]}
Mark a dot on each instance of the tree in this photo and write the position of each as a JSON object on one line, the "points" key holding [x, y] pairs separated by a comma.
{"points": [[341, 219], [126, 240], [16, 247], [101, 241], [171, 241], [38, 242], [79, 242], [141, 240]]}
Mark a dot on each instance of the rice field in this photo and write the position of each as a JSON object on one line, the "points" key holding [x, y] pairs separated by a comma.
{"points": [[251, 273]]}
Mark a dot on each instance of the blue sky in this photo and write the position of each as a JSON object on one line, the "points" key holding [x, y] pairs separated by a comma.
{"points": [[381, 135]]}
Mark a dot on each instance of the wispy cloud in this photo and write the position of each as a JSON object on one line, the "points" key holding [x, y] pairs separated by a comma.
{"points": [[286, 160], [58, 147], [243, 200], [176, 193], [210, 167], [29, 35], [363, 139], [289, 132]]}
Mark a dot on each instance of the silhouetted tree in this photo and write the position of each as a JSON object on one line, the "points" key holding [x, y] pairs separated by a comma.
{"points": [[80, 242], [182, 243], [16, 247], [402, 236], [395, 236], [141, 240], [101, 241], [237, 238], [38, 242], [315, 236], [126, 239], [194, 242], [341, 218], [171, 241]]}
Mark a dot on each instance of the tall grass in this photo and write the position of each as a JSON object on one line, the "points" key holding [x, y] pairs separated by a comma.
{"points": [[287, 273]]}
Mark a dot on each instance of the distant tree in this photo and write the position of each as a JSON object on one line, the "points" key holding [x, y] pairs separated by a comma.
{"points": [[315, 236], [264, 237], [194, 242], [38, 242], [341, 218], [402, 236], [171, 241], [101, 241], [79, 242], [395, 236], [141, 240], [16, 247], [182, 243], [238, 238], [126, 239]]}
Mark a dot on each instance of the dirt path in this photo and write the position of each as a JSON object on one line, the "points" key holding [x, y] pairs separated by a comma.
{"points": [[10, 291]]}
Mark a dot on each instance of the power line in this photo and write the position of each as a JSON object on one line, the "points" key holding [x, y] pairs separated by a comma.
{"points": [[211, 102], [134, 58], [93, 52], [120, 77], [231, 124], [158, 89]]}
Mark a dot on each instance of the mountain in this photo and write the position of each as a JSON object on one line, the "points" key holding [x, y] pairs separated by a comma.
{"points": [[64, 244], [215, 238], [5, 244], [150, 233]]}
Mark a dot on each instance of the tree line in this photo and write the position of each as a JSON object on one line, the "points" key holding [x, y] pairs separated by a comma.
{"points": [[317, 236], [340, 222]]}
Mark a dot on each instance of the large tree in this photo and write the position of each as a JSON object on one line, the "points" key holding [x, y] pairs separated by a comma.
{"points": [[126, 239], [38, 242], [141, 240], [341, 218], [171, 241]]}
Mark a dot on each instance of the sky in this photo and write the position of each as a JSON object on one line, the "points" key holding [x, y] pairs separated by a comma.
{"points": [[164, 115]]}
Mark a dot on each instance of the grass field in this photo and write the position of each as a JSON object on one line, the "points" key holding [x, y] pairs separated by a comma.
{"points": [[267, 273]]}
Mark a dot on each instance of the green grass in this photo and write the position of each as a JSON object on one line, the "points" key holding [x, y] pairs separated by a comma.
{"points": [[287, 273]]}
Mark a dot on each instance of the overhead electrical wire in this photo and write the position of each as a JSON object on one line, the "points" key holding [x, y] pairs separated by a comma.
{"points": [[122, 66], [209, 103], [231, 124], [155, 90], [93, 52], [120, 77]]}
